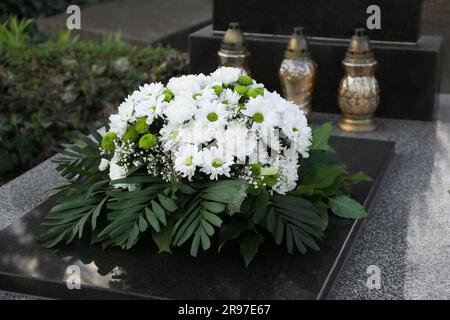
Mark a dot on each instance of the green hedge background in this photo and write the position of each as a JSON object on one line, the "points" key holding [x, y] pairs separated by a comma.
{"points": [[50, 89]]}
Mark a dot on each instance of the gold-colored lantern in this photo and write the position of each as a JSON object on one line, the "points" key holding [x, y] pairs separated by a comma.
{"points": [[233, 51], [359, 93], [298, 72]]}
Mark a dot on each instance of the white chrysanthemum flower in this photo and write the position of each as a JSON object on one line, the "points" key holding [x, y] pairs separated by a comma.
{"points": [[212, 113], [104, 164], [118, 124], [215, 162], [255, 85], [180, 110], [237, 141], [150, 107], [153, 89], [295, 127], [196, 133], [186, 160], [226, 75], [117, 172], [287, 175], [229, 97], [206, 94], [262, 112], [271, 138], [126, 108], [188, 85], [170, 135]]}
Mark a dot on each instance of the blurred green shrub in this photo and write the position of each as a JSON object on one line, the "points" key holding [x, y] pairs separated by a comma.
{"points": [[50, 89]]}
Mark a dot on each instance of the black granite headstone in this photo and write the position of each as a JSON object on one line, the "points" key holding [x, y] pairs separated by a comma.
{"points": [[400, 19], [409, 75], [27, 267]]}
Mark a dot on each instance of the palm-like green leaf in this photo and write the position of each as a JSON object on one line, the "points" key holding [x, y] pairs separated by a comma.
{"points": [[294, 219], [202, 213], [131, 213], [81, 159], [68, 219]]}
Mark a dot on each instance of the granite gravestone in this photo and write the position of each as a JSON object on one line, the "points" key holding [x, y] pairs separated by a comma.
{"points": [[408, 74], [321, 18], [28, 267]]}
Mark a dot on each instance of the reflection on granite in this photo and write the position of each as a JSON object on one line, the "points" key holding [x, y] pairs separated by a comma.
{"points": [[26, 266], [407, 235]]}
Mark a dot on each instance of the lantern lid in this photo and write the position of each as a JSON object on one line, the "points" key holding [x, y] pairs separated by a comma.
{"points": [[298, 45], [233, 39], [359, 47]]}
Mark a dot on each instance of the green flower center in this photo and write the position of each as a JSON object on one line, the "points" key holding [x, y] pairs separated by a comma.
{"points": [[294, 129], [212, 117], [196, 95], [258, 117], [153, 108], [174, 134], [147, 141], [217, 163], [226, 102], [188, 161], [218, 89]]}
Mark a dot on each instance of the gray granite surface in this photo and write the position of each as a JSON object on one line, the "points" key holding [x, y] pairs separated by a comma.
{"points": [[407, 234]]}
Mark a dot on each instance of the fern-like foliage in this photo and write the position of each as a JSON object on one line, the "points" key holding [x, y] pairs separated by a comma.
{"points": [[178, 213]]}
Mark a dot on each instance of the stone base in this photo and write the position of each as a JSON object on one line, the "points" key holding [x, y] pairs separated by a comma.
{"points": [[409, 75], [27, 267]]}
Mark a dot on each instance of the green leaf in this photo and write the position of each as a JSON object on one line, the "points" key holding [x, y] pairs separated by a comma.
{"points": [[163, 239], [187, 189], [168, 204], [357, 177], [323, 176], [159, 212], [321, 135], [294, 219], [96, 213], [215, 207], [212, 218], [132, 238], [142, 224], [323, 212], [250, 246], [345, 207], [138, 179], [206, 243], [262, 200], [194, 245], [223, 191], [151, 218], [230, 232]]}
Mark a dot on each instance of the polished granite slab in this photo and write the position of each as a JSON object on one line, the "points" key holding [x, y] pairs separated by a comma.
{"points": [[400, 19], [26, 267]]}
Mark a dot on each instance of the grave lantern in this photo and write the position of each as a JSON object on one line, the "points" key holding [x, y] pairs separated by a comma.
{"points": [[359, 94], [298, 72], [233, 51]]}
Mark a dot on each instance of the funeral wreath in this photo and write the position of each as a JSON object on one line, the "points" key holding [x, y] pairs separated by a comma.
{"points": [[200, 162]]}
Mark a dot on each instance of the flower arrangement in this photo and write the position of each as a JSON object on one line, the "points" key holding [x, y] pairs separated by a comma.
{"points": [[201, 154]]}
